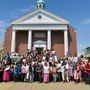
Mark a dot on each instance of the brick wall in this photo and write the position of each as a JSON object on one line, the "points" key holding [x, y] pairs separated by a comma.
{"points": [[72, 41], [58, 42], [7, 40], [21, 42]]}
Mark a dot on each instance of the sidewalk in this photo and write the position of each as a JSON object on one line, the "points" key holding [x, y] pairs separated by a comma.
{"points": [[38, 86]]}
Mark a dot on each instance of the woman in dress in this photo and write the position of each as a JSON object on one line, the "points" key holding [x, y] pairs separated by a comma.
{"points": [[46, 71], [6, 74], [77, 73]]}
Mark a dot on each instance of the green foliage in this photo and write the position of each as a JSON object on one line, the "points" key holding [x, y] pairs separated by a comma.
{"points": [[0, 51]]}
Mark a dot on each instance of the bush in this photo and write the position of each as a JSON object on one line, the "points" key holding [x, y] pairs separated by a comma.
{"points": [[0, 54]]}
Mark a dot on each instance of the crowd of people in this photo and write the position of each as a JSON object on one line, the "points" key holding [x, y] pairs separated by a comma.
{"points": [[44, 67]]}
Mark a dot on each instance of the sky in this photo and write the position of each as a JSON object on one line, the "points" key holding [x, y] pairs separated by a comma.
{"points": [[77, 12]]}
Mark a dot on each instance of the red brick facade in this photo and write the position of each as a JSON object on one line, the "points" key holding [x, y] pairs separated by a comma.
{"points": [[57, 43], [72, 42], [7, 40], [21, 42]]}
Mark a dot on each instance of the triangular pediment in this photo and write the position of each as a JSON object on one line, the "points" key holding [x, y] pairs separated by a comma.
{"points": [[40, 17]]}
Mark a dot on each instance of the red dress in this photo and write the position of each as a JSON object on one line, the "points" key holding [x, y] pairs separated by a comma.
{"points": [[77, 72], [6, 75], [87, 69]]}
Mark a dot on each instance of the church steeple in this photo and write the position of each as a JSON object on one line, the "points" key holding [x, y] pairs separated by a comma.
{"points": [[40, 4]]}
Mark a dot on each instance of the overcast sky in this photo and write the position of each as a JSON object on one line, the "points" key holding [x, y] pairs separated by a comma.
{"points": [[77, 12]]}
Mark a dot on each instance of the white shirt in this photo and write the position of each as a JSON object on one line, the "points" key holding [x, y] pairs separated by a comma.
{"points": [[27, 68], [46, 69], [24, 60], [53, 52], [44, 57], [43, 62], [62, 68], [59, 67], [75, 59], [56, 59], [23, 69], [67, 66]]}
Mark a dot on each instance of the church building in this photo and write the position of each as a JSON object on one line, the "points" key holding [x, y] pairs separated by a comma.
{"points": [[41, 30]]}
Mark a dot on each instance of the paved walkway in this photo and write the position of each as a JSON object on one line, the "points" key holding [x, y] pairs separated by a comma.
{"points": [[38, 86]]}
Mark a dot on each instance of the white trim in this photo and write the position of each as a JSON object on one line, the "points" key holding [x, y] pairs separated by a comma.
{"points": [[13, 46], [49, 39], [40, 27], [30, 39], [65, 42]]}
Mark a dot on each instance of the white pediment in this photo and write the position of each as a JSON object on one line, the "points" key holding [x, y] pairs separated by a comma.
{"points": [[40, 17]]}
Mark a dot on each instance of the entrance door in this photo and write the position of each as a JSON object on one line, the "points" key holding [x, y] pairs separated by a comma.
{"points": [[39, 45], [39, 50]]}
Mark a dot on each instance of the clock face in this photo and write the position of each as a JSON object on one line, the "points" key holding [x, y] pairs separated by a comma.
{"points": [[39, 17]]}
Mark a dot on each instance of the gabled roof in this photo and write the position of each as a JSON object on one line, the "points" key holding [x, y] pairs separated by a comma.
{"points": [[46, 18]]}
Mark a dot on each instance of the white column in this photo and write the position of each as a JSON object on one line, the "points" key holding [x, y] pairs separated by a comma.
{"points": [[13, 44], [30, 39], [49, 39], [65, 42]]}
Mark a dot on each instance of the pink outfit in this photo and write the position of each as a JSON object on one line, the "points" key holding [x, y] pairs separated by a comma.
{"points": [[76, 75], [6, 76], [77, 72], [46, 78], [46, 74]]}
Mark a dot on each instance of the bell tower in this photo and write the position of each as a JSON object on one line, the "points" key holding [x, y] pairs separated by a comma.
{"points": [[40, 4]]}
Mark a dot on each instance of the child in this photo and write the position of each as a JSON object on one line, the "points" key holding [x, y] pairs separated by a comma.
{"points": [[46, 71], [54, 70]]}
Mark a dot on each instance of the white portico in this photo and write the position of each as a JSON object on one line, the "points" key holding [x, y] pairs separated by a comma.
{"points": [[40, 20]]}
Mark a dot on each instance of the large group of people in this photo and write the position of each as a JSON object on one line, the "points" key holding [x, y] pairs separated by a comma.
{"points": [[44, 67]]}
